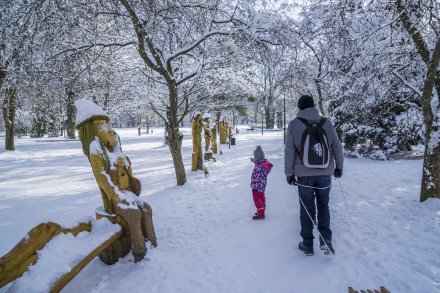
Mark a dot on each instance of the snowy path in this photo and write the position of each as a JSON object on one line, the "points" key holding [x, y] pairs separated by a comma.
{"points": [[207, 239]]}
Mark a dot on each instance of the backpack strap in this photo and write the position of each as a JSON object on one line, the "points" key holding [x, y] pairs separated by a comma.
{"points": [[307, 124], [305, 121]]}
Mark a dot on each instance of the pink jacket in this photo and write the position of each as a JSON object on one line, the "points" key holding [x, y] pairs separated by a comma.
{"points": [[259, 175]]}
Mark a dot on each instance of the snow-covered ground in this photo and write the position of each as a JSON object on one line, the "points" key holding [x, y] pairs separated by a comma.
{"points": [[207, 239]]}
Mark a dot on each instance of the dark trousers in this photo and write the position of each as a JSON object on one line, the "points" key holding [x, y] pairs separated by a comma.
{"points": [[318, 210]]}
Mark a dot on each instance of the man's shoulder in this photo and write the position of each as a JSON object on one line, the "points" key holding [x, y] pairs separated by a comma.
{"points": [[327, 123], [294, 121], [298, 123]]}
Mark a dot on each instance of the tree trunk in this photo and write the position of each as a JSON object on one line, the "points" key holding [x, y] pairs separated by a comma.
{"points": [[175, 137], [175, 146], [431, 164], [319, 90], [417, 37], [9, 108], [270, 117], [70, 122], [280, 120]]}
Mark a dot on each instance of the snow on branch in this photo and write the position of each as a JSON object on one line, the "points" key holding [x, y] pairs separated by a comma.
{"points": [[90, 46], [189, 76], [407, 83], [191, 47]]}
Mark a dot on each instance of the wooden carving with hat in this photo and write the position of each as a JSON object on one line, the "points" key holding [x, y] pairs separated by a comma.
{"points": [[123, 225], [113, 173]]}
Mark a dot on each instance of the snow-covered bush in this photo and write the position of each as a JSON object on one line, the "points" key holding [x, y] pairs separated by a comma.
{"points": [[380, 129]]}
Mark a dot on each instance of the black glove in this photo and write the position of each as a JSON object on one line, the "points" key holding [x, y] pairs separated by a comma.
{"points": [[291, 180], [338, 173]]}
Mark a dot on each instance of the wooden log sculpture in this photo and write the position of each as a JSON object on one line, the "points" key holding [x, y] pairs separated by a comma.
{"points": [[214, 138], [223, 133], [208, 136], [30, 249], [207, 131], [17, 260], [197, 155], [119, 191], [112, 170]]}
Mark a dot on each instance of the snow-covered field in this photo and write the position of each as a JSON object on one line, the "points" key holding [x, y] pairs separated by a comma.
{"points": [[207, 239]]}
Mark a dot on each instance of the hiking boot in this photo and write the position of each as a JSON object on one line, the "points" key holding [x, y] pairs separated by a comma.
{"points": [[256, 217], [307, 250], [328, 249]]}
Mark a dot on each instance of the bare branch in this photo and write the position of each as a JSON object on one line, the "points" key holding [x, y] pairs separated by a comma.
{"points": [[90, 46]]}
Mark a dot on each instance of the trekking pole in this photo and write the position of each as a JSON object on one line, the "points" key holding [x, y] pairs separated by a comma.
{"points": [[313, 222], [348, 211]]}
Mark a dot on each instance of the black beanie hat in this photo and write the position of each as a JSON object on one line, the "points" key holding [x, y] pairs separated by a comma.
{"points": [[305, 102]]}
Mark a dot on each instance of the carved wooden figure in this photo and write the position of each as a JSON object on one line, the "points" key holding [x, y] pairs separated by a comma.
{"points": [[119, 189], [228, 131], [223, 133], [207, 131], [214, 139], [197, 155]]}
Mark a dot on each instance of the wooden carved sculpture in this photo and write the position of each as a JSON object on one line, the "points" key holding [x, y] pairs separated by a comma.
{"points": [[223, 132], [228, 131], [207, 131], [112, 169], [119, 189], [208, 136], [214, 138], [197, 155]]}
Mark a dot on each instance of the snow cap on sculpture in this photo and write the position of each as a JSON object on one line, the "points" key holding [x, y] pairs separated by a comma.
{"points": [[206, 115], [87, 110]]}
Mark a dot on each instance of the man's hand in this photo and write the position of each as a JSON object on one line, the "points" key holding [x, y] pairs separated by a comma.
{"points": [[291, 180], [338, 173]]}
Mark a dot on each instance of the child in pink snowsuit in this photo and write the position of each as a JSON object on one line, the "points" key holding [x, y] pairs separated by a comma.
{"points": [[259, 181]]}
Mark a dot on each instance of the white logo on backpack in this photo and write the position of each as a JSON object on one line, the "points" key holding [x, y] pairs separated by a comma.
{"points": [[318, 149]]}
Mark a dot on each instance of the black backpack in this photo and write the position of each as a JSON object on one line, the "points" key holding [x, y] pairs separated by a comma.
{"points": [[315, 151]]}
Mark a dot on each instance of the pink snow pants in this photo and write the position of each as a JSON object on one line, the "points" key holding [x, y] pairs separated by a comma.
{"points": [[260, 202]]}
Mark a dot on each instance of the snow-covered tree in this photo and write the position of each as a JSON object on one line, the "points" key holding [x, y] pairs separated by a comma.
{"points": [[172, 40], [421, 21]]}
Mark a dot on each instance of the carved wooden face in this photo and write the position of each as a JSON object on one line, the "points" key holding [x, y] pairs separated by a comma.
{"points": [[104, 133], [198, 118]]}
